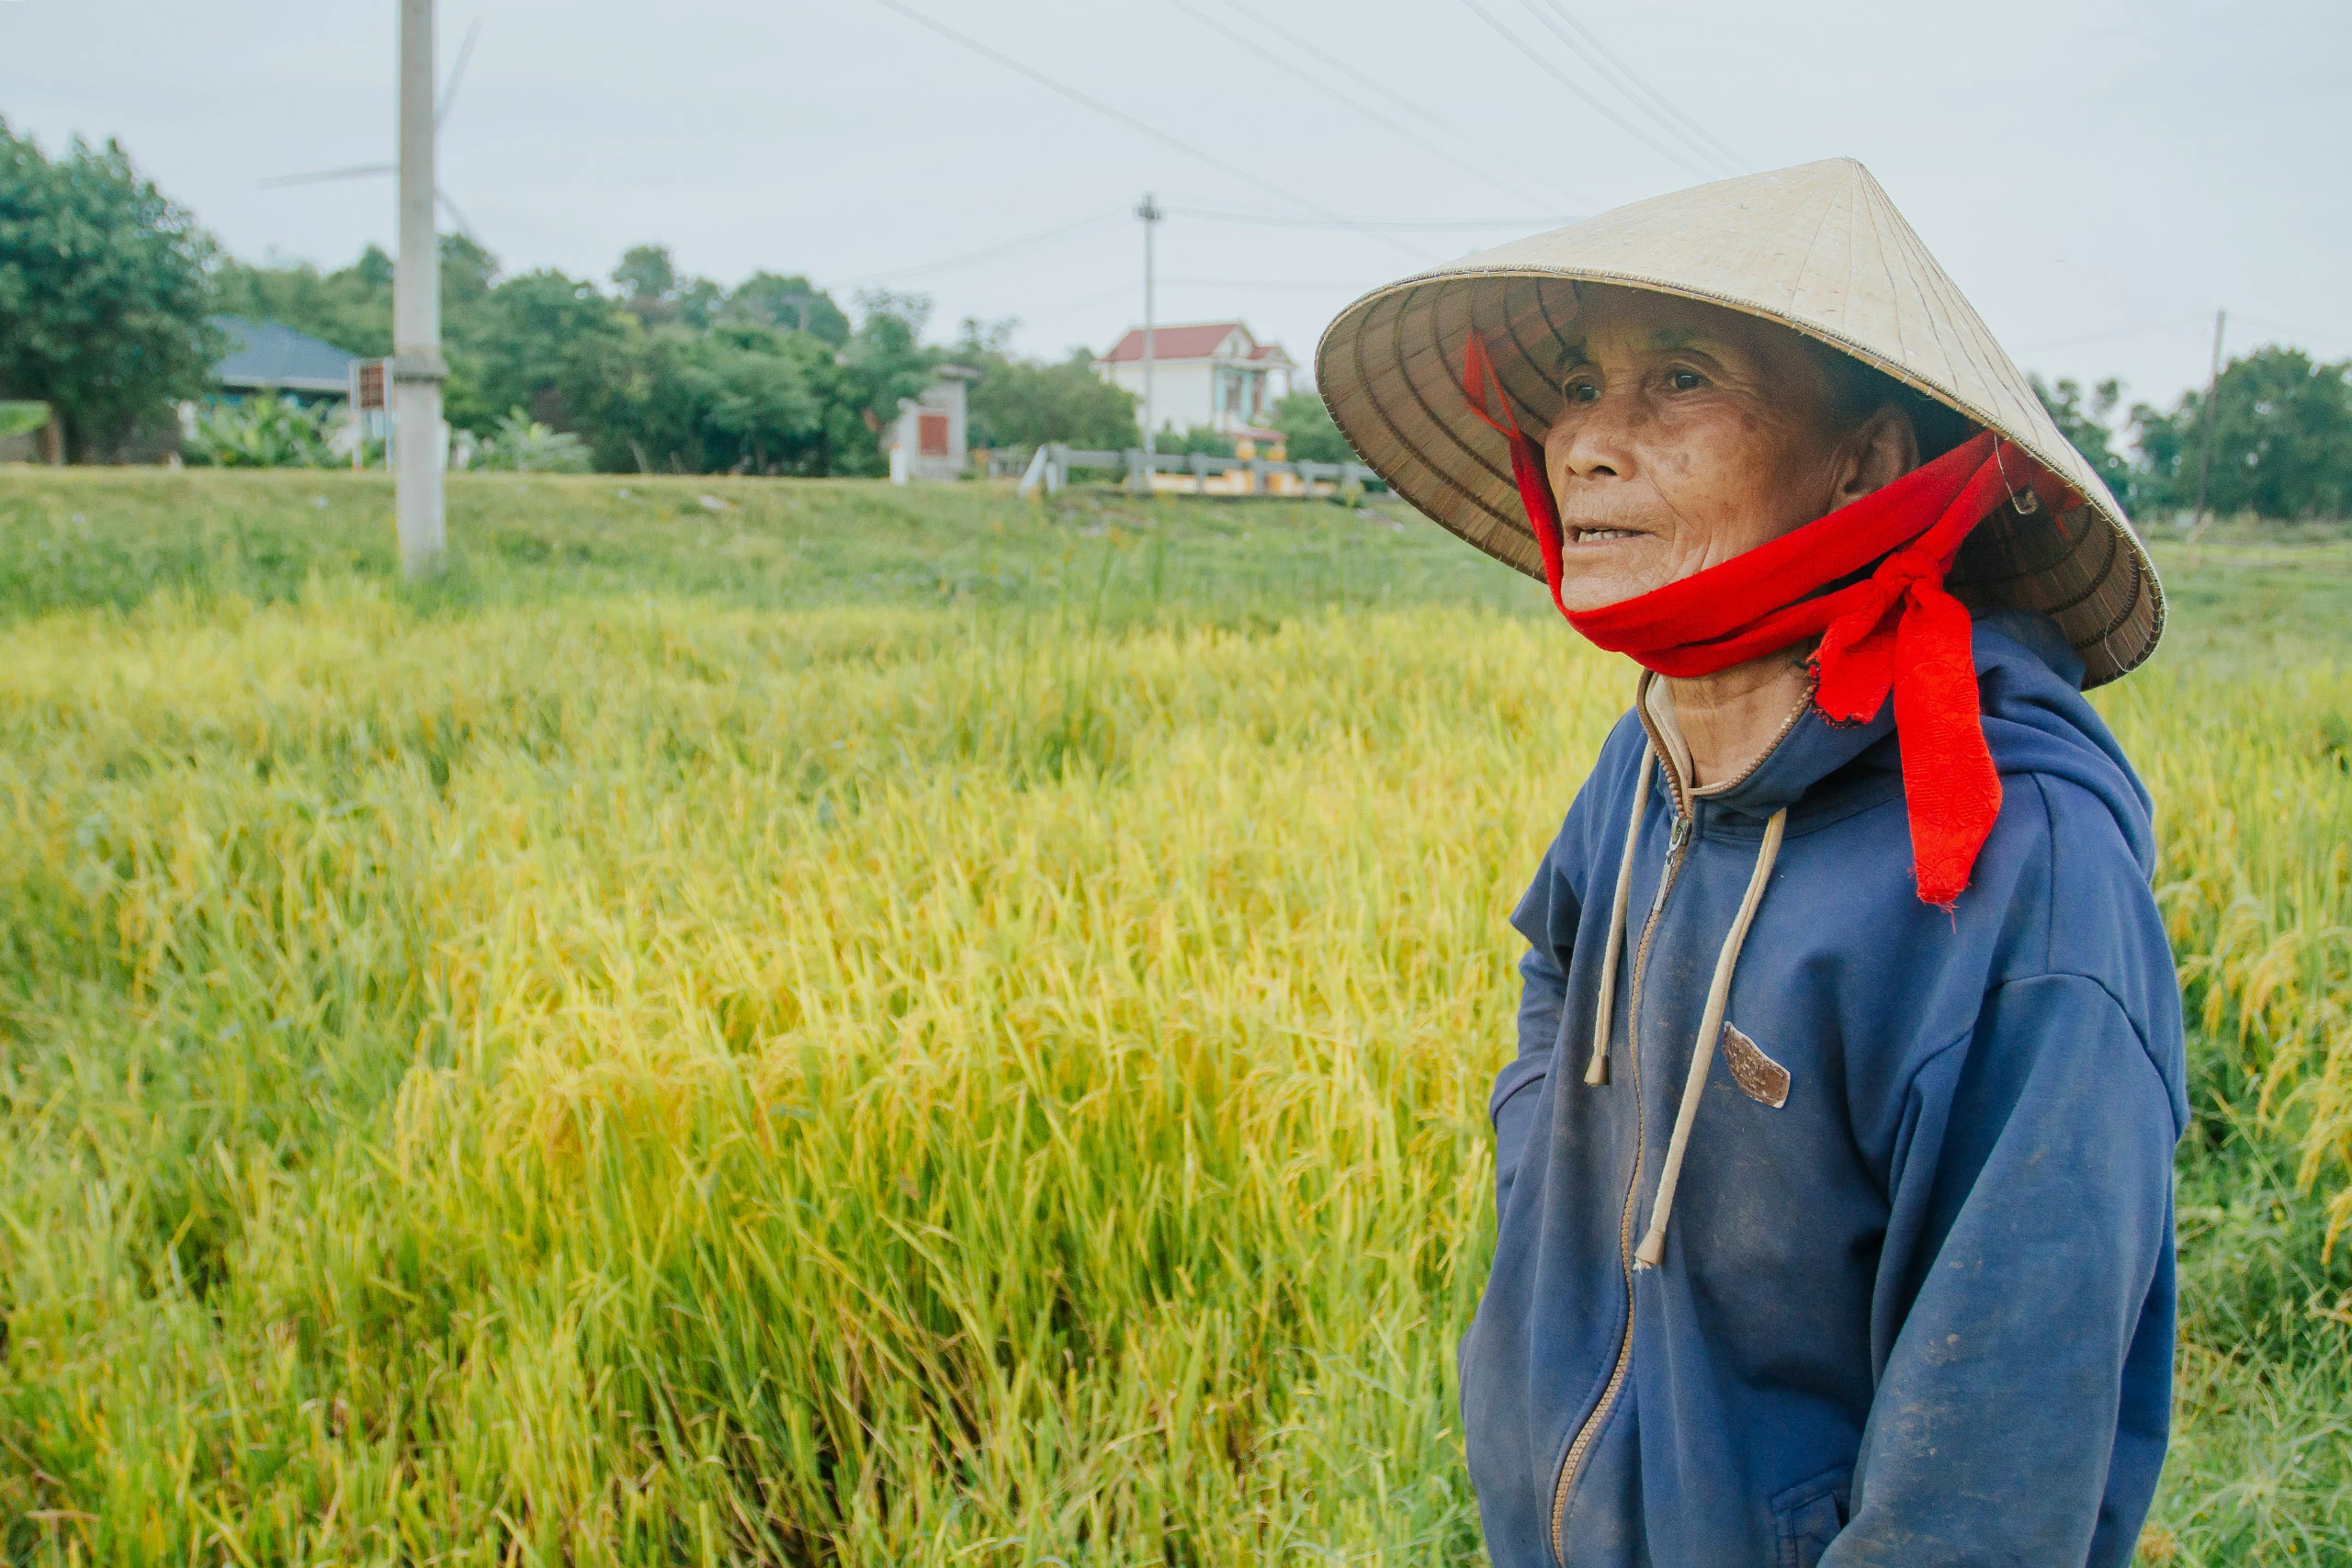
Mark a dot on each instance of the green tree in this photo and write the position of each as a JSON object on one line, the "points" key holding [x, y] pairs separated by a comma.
{"points": [[2282, 438], [2086, 420], [103, 292], [884, 363], [646, 277], [658, 293], [742, 398], [1015, 403], [469, 272], [669, 372], [760, 397], [468, 280], [555, 347], [793, 303], [1308, 433], [350, 307], [699, 303]]}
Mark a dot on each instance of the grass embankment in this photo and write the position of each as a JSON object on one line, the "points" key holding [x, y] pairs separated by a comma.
{"points": [[898, 1027]]}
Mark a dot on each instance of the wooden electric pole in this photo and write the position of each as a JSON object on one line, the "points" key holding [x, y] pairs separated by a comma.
{"points": [[2213, 391], [419, 441]]}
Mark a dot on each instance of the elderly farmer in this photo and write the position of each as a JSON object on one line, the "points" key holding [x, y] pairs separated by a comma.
{"points": [[1834, 1170]]}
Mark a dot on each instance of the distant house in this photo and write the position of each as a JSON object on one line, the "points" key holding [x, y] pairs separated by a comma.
{"points": [[270, 357], [927, 441], [1205, 375]]}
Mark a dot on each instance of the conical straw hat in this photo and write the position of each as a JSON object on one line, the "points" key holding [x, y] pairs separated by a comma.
{"points": [[1819, 248]]}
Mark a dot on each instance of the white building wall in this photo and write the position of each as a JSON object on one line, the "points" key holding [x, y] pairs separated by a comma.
{"points": [[1179, 391], [1184, 391], [944, 396]]}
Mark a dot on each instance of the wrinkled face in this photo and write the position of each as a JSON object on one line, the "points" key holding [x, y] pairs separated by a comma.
{"points": [[1689, 434]]}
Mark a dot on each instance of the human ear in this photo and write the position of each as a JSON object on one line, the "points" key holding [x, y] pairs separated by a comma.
{"points": [[1881, 450]]}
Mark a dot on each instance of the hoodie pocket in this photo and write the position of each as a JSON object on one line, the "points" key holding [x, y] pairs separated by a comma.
{"points": [[1511, 1108], [1808, 1517]]}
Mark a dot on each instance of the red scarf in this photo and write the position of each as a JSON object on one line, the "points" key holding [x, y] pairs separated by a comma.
{"points": [[1896, 629]]}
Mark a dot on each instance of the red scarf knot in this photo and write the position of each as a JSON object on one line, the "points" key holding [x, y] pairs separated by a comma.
{"points": [[1895, 632], [1853, 667]]}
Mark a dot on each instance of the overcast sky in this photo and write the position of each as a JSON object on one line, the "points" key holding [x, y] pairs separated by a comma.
{"points": [[2099, 177]]}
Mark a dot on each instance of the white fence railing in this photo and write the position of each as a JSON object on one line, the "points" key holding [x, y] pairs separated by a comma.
{"points": [[1191, 473]]}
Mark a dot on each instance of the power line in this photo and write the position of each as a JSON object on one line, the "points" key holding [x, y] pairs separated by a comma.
{"points": [[1086, 301], [2115, 335], [1070, 307], [1420, 225], [1308, 47], [1212, 215], [985, 252], [1324, 285], [2268, 325], [1572, 85], [1667, 114], [1123, 117], [2178, 325], [1342, 100]]}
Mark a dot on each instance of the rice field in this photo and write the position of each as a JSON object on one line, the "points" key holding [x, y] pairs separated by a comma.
{"points": [[795, 1023]]}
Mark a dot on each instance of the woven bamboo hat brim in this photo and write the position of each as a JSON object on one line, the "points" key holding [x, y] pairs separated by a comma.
{"points": [[1819, 248]]}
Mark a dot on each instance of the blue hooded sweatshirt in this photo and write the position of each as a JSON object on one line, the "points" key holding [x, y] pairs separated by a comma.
{"points": [[1915, 1302]]}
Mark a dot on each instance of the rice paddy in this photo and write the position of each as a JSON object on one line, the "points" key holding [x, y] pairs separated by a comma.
{"points": [[769, 1022]]}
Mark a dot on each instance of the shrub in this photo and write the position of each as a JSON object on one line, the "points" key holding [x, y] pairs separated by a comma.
{"points": [[21, 417], [522, 445], [268, 432]]}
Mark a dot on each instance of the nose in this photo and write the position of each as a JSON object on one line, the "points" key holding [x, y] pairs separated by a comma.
{"points": [[1593, 440]]}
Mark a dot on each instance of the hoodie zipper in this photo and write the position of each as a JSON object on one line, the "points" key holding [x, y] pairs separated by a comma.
{"points": [[1573, 1463], [1678, 845]]}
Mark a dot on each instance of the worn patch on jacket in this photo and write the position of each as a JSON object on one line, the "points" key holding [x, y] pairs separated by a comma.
{"points": [[1757, 1075]]}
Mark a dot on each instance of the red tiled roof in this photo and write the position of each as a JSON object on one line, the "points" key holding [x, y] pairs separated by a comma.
{"points": [[1268, 351], [1196, 339]]}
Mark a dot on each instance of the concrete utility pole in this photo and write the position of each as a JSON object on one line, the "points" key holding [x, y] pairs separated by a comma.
{"points": [[418, 369], [1150, 213], [2212, 387]]}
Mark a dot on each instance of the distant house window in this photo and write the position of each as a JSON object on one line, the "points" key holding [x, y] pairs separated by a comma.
{"points": [[930, 435]]}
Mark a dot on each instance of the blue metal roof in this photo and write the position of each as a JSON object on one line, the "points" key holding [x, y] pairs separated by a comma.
{"points": [[271, 354]]}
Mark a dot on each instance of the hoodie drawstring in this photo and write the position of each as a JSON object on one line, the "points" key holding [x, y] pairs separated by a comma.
{"points": [[1596, 1071], [1702, 1055]]}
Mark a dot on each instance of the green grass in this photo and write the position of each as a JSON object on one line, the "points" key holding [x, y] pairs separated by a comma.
{"points": [[114, 539], [867, 1025]]}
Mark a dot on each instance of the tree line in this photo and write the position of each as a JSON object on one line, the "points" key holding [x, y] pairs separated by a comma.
{"points": [[2280, 437], [107, 287]]}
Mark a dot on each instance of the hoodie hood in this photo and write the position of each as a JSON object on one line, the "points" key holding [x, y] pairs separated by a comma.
{"points": [[2036, 721]]}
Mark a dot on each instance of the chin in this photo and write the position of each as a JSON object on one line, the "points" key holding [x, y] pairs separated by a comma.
{"points": [[1596, 591], [1594, 576]]}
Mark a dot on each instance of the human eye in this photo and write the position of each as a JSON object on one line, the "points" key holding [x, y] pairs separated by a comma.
{"points": [[1682, 378], [1583, 388]]}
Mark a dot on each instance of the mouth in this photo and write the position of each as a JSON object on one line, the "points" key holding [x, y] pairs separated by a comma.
{"points": [[1600, 535]]}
